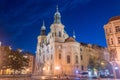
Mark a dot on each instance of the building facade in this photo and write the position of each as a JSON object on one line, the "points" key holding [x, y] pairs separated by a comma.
{"points": [[58, 53], [30, 68], [89, 50], [4, 53], [112, 33]]}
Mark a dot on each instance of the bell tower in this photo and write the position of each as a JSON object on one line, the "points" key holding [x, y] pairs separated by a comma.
{"points": [[57, 28]]}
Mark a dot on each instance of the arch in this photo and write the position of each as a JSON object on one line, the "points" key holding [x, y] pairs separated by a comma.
{"points": [[59, 34]]}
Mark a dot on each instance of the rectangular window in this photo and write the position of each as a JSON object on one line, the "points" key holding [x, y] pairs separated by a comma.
{"points": [[106, 31], [118, 40], [117, 28], [43, 58], [51, 56], [108, 41], [111, 41], [110, 30], [82, 67], [81, 57], [68, 59], [80, 49], [59, 56]]}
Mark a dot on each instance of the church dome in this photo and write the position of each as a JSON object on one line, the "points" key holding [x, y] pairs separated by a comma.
{"points": [[57, 16], [70, 39], [114, 18]]}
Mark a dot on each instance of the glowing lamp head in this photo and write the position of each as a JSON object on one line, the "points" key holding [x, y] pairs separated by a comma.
{"points": [[27, 69], [76, 71], [57, 67], [116, 68], [44, 68]]}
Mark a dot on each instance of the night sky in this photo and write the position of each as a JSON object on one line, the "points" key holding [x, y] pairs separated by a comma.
{"points": [[21, 20]]}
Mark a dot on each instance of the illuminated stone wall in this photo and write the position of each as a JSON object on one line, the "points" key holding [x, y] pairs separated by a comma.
{"points": [[112, 33]]}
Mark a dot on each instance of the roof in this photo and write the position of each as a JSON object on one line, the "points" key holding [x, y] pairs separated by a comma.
{"points": [[70, 39], [114, 18]]}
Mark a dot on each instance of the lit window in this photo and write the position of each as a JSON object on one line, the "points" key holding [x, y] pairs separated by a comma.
{"points": [[25, 56], [68, 59]]}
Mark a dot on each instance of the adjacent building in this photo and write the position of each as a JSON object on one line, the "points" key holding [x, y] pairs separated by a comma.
{"points": [[4, 50], [30, 68], [89, 50], [3, 53], [112, 33]]}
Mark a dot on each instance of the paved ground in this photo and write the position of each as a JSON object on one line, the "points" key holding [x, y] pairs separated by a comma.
{"points": [[47, 78], [52, 79]]}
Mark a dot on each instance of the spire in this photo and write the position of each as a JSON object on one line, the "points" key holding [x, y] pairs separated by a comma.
{"points": [[57, 8], [0, 43], [43, 29], [57, 16], [43, 26], [74, 35]]}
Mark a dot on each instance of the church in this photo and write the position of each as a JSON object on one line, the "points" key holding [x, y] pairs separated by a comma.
{"points": [[57, 52]]}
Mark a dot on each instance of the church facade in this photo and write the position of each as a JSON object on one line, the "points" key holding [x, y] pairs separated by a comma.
{"points": [[57, 53]]}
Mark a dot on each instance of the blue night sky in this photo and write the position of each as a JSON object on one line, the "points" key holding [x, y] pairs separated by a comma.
{"points": [[21, 20]]}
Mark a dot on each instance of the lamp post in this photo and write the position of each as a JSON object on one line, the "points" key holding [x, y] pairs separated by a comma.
{"points": [[113, 68], [57, 68], [27, 70]]}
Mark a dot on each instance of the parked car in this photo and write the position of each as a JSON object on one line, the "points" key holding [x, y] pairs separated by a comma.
{"points": [[84, 74]]}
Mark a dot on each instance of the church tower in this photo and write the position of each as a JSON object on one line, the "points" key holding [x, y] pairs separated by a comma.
{"points": [[42, 37], [57, 28], [41, 42]]}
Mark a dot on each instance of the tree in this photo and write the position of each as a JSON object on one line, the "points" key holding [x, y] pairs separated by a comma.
{"points": [[16, 61], [96, 63]]}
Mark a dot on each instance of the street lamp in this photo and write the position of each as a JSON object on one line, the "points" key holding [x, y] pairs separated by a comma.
{"points": [[114, 68], [57, 68], [27, 70]]}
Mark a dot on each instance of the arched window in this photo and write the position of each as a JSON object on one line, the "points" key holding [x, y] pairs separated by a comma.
{"points": [[43, 58], [68, 59], [59, 34], [55, 33], [76, 61], [81, 57], [51, 56]]}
